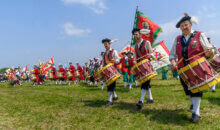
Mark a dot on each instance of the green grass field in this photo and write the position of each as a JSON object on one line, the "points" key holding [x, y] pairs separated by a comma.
{"points": [[83, 107]]}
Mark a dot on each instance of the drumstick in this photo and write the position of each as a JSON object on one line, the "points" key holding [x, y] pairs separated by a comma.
{"points": [[142, 57]]}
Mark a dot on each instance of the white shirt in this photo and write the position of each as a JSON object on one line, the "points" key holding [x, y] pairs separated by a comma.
{"points": [[203, 41], [114, 55], [147, 46]]}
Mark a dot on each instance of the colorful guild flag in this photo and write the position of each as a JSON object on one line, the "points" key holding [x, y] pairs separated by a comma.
{"points": [[25, 69], [161, 57], [126, 49], [47, 66], [144, 23]]}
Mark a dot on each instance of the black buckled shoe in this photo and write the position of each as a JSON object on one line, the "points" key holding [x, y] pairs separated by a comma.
{"points": [[149, 101], [139, 105], [109, 103], [115, 98], [195, 118]]}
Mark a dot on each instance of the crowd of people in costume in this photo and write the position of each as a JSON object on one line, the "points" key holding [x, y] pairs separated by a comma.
{"points": [[194, 60]]}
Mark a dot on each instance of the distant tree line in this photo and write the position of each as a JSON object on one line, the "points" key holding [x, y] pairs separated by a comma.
{"points": [[2, 70]]}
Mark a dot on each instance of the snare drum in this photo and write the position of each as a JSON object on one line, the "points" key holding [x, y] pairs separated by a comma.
{"points": [[59, 75], [199, 75], [143, 71], [24, 76], [77, 74], [69, 75], [50, 75], [109, 74], [214, 61], [33, 77]]}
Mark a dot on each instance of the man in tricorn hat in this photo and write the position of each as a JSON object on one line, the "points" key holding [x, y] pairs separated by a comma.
{"points": [[143, 50], [112, 57], [187, 45]]}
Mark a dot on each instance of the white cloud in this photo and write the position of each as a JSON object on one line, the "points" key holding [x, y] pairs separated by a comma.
{"points": [[98, 6], [169, 28], [71, 30]]}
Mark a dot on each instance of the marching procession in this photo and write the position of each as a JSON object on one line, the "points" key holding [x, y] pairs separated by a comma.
{"points": [[192, 55]]}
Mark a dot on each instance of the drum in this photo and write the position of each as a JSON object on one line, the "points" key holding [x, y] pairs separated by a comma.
{"points": [[33, 77], [50, 75], [214, 61], [199, 75], [109, 74], [69, 75], [77, 74], [24, 76], [143, 71], [59, 75], [86, 74], [97, 75]]}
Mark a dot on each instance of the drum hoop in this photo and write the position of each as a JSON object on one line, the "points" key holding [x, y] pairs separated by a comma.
{"points": [[139, 63], [204, 83], [110, 64], [193, 64], [116, 76], [154, 72]]}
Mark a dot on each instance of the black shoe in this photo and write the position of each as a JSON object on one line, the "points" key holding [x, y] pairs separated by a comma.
{"points": [[109, 103], [213, 91], [115, 98], [139, 105], [195, 118], [149, 101]]}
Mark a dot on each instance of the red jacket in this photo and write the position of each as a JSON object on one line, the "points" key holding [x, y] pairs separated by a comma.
{"points": [[131, 64], [54, 71], [36, 71], [62, 70], [72, 69], [79, 68], [124, 63]]}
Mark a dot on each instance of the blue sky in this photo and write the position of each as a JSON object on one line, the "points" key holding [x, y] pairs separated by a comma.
{"points": [[72, 30]]}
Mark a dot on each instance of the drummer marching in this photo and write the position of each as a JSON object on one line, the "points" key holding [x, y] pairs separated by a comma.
{"points": [[186, 47], [72, 71], [110, 56], [80, 70], [54, 72], [143, 50], [63, 73]]}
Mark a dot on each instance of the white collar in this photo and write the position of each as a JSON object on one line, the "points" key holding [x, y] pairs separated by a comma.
{"points": [[109, 50]]}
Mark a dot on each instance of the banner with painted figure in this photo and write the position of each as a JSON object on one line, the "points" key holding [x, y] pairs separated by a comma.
{"points": [[161, 57]]}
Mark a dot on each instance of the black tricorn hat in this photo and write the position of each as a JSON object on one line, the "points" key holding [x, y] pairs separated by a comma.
{"points": [[106, 40], [183, 19], [135, 30]]}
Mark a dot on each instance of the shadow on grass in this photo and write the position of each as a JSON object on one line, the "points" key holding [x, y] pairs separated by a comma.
{"points": [[214, 100], [162, 116], [94, 103]]}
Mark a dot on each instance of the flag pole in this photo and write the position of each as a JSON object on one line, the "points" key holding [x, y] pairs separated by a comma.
{"points": [[134, 25]]}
